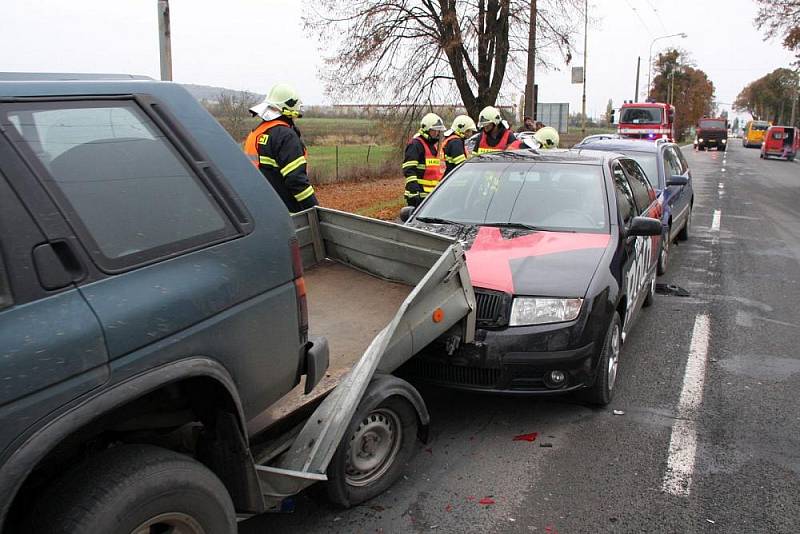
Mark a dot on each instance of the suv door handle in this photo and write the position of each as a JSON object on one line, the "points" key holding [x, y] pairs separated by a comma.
{"points": [[57, 265]]}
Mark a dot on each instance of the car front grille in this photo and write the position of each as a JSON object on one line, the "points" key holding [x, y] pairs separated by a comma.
{"points": [[493, 308], [452, 374]]}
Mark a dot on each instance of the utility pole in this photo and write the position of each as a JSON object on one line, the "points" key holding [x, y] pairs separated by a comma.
{"points": [[638, 66], [794, 100], [164, 40], [585, 43], [530, 85]]}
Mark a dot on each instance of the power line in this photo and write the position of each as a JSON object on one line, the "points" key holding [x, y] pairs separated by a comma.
{"points": [[658, 16], [636, 11]]}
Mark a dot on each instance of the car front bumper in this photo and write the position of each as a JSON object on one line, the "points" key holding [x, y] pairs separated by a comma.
{"points": [[515, 360]]}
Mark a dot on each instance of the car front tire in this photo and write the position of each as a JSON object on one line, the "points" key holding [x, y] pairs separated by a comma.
{"points": [[602, 391]]}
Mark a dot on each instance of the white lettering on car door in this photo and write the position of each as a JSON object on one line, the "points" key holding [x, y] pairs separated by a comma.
{"points": [[636, 277]]}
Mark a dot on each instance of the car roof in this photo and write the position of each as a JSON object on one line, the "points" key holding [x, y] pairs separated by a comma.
{"points": [[624, 145], [64, 76], [553, 155]]}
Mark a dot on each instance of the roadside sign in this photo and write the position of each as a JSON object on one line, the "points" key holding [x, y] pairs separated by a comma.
{"points": [[577, 74], [555, 115]]}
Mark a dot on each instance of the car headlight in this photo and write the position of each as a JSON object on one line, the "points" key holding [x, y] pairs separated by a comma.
{"points": [[539, 310], [700, 140], [724, 140]]}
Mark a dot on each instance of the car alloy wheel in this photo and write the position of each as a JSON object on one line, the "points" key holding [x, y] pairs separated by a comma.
{"points": [[613, 358]]}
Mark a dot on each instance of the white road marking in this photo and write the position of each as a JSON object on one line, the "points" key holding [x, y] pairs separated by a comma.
{"points": [[721, 185], [683, 441], [716, 220]]}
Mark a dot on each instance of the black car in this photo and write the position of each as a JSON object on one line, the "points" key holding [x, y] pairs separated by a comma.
{"points": [[562, 249], [668, 172]]}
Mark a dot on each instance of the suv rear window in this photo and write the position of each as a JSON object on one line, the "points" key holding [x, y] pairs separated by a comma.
{"points": [[119, 179]]}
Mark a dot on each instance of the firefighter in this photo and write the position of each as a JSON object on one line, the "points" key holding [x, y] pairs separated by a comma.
{"points": [[547, 137], [453, 149], [276, 149], [421, 165], [495, 134]]}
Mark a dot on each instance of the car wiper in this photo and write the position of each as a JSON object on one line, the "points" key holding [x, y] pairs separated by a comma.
{"points": [[435, 220], [521, 226]]}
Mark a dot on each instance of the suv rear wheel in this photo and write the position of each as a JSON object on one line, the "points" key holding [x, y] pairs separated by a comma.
{"points": [[136, 489]]}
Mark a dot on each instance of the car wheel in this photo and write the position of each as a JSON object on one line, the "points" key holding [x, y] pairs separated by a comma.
{"points": [[602, 391], [136, 489], [374, 451], [651, 294], [663, 254], [683, 235]]}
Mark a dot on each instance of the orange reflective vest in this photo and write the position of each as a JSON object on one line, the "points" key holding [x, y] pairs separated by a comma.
{"points": [[484, 148], [432, 169], [260, 136]]}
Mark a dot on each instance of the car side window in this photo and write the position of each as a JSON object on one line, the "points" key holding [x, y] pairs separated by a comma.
{"points": [[119, 180], [625, 204], [643, 193], [672, 165], [682, 158]]}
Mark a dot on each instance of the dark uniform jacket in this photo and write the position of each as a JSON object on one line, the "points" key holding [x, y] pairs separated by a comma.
{"points": [[414, 166], [454, 153], [282, 160]]}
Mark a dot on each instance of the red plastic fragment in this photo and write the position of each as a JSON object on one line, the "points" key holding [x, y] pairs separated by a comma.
{"points": [[448, 508], [486, 501], [526, 437]]}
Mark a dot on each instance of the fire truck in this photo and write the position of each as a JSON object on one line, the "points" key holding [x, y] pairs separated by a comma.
{"points": [[647, 120]]}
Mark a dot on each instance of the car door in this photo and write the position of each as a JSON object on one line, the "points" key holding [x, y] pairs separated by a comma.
{"points": [[52, 349], [678, 198], [627, 210], [646, 248]]}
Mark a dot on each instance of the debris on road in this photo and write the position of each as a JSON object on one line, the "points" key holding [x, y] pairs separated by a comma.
{"points": [[486, 501], [526, 437], [711, 521], [672, 289], [545, 444], [619, 412]]}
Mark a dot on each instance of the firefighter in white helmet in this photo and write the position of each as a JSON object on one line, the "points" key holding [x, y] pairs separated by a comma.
{"points": [[421, 164], [547, 137], [276, 149], [495, 135], [453, 149]]}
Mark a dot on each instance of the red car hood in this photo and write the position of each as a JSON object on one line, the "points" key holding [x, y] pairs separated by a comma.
{"points": [[537, 263]]}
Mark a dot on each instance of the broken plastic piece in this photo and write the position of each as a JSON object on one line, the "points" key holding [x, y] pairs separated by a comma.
{"points": [[526, 437], [619, 412], [486, 501], [672, 289]]}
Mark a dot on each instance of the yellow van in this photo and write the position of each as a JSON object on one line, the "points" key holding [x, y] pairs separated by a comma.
{"points": [[754, 133]]}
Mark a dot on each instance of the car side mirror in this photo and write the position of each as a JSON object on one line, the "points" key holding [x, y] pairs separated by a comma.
{"points": [[677, 180], [644, 226], [406, 213]]}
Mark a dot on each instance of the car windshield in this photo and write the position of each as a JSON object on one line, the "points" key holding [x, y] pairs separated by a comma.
{"points": [[761, 126], [544, 196], [712, 123], [641, 116]]}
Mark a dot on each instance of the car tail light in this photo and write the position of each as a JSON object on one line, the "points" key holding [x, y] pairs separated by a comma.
{"points": [[299, 289]]}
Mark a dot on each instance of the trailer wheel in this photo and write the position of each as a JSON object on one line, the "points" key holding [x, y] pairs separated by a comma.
{"points": [[374, 451], [136, 489]]}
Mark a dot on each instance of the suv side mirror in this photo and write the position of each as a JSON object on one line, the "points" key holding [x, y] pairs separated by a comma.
{"points": [[677, 180], [406, 213], [644, 226]]}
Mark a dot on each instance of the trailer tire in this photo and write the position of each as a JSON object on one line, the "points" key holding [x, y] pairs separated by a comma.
{"points": [[384, 434], [132, 487]]}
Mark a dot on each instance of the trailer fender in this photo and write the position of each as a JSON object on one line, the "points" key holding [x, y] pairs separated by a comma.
{"points": [[384, 386]]}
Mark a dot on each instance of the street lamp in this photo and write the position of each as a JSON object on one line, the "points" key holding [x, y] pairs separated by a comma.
{"points": [[682, 35]]}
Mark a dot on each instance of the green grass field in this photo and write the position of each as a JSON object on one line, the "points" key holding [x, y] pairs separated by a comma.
{"points": [[352, 159], [332, 131]]}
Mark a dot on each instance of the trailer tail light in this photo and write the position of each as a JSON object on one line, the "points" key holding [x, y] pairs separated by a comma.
{"points": [[299, 289]]}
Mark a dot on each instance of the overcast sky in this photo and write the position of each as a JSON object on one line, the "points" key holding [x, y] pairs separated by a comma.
{"points": [[250, 44]]}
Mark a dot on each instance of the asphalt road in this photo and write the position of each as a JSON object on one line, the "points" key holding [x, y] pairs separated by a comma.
{"points": [[709, 385]]}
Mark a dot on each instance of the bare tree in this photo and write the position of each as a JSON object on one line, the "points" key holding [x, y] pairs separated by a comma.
{"points": [[781, 17], [231, 109], [422, 51]]}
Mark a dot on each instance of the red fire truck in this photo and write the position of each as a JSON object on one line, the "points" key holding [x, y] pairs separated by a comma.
{"points": [[647, 120]]}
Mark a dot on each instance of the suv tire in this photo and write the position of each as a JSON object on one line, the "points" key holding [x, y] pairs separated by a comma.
{"points": [[132, 487]]}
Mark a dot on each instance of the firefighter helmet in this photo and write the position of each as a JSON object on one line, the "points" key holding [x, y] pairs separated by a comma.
{"points": [[463, 124], [432, 121], [547, 137], [281, 100], [489, 115]]}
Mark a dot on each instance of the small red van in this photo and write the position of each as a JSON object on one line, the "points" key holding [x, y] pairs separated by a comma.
{"points": [[781, 142]]}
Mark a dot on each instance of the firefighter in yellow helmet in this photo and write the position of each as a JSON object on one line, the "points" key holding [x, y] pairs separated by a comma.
{"points": [[453, 149], [495, 134], [421, 165], [276, 149], [547, 137]]}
